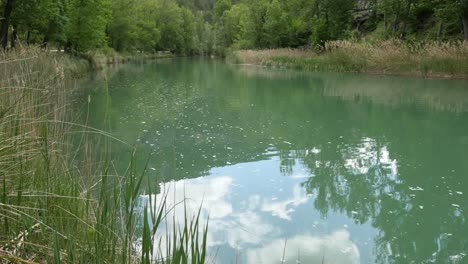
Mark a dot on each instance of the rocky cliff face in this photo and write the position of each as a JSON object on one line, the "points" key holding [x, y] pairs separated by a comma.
{"points": [[363, 4], [362, 12]]}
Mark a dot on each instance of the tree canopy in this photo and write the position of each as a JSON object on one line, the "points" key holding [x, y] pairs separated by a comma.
{"points": [[212, 26]]}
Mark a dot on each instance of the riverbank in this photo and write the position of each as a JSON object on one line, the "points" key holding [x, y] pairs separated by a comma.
{"points": [[431, 60], [80, 64], [100, 59], [60, 199]]}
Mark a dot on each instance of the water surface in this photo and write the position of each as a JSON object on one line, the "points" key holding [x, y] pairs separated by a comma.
{"points": [[340, 168]]}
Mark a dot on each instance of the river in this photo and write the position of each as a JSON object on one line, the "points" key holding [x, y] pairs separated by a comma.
{"points": [[312, 167]]}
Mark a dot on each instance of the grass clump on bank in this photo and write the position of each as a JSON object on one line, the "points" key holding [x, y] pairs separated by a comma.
{"points": [[266, 57], [57, 208], [446, 60]]}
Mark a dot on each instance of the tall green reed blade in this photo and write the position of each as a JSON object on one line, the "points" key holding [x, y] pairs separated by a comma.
{"points": [[57, 258], [147, 240], [83, 218], [4, 201]]}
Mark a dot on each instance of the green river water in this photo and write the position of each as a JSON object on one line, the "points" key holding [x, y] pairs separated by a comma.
{"points": [[340, 168]]}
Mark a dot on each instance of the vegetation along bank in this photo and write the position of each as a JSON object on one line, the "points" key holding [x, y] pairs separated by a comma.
{"points": [[432, 60], [217, 27]]}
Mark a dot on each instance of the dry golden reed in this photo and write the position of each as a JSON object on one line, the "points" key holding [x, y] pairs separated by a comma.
{"points": [[265, 56], [429, 59]]}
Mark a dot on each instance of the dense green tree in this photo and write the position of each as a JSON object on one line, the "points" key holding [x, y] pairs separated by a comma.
{"points": [[213, 26], [276, 25], [122, 29], [56, 24], [208, 39], [332, 20], [31, 17], [133, 26], [255, 30], [169, 20], [235, 25], [220, 7], [188, 32], [300, 24], [88, 21]]}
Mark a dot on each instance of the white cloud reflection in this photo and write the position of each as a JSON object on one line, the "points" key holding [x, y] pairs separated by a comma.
{"points": [[237, 229], [334, 248], [206, 195], [210, 194], [248, 225], [283, 209]]}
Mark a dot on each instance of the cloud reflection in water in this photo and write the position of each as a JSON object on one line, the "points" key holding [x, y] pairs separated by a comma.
{"points": [[256, 222]]}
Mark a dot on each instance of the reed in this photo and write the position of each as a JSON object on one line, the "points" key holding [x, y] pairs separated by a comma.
{"points": [[430, 59], [265, 57], [57, 208]]}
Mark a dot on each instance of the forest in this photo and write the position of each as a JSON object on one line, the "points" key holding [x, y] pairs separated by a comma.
{"points": [[204, 27]]}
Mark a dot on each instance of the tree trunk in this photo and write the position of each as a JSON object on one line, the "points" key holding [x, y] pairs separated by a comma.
{"points": [[48, 35], [14, 36], [67, 47], [394, 24], [405, 21], [465, 25], [385, 21], [440, 30], [6, 23], [45, 42]]}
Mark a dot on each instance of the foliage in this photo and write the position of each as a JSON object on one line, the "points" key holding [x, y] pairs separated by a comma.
{"points": [[214, 26], [88, 21]]}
